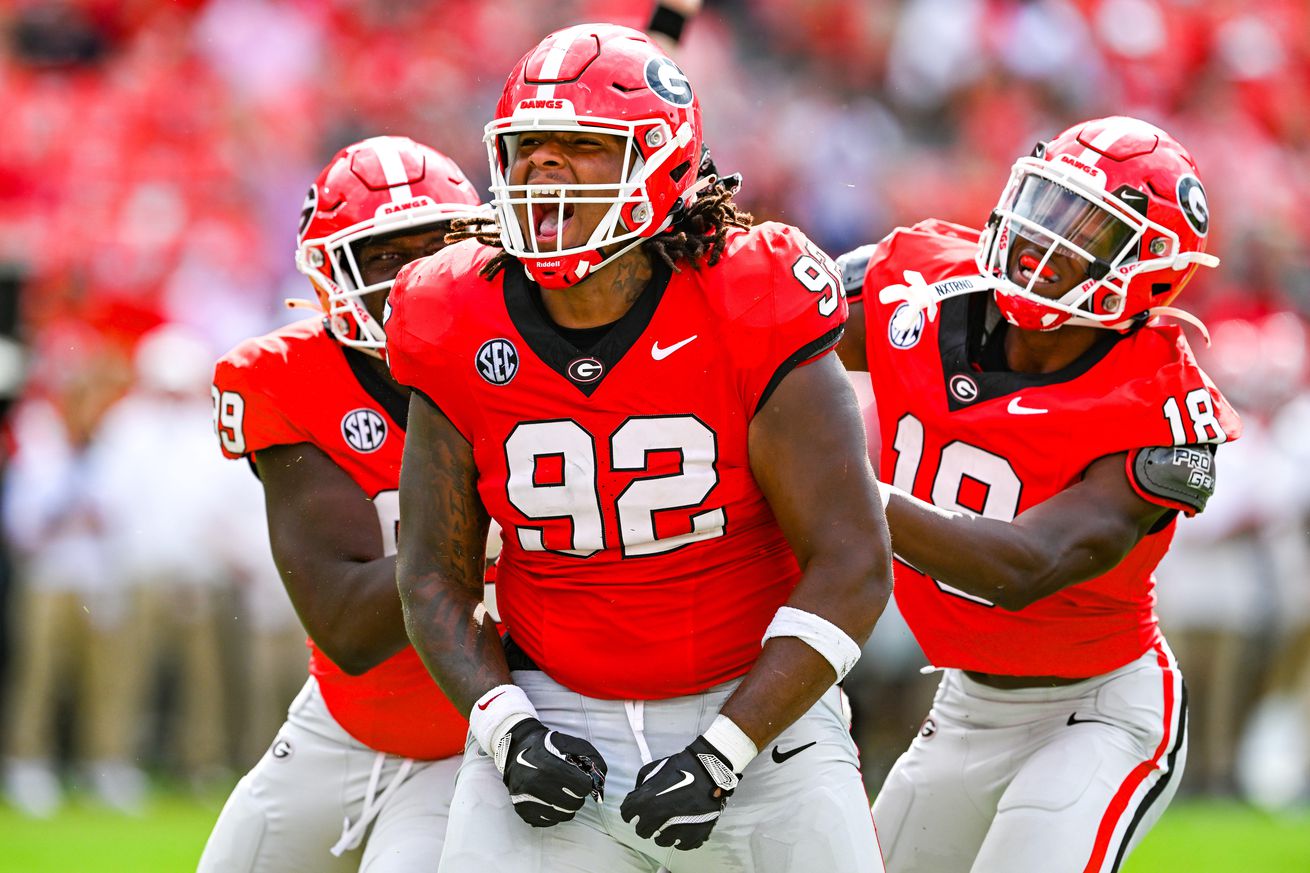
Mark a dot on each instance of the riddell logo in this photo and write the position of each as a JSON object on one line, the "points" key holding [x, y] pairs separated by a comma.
{"points": [[541, 104]]}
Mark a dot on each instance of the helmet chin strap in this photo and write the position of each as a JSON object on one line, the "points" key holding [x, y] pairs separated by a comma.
{"points": [[919, 295], [1183, 316]]}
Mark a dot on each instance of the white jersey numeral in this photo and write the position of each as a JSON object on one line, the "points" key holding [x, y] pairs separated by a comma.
{"points": [[229, 416], [574, 492], [957, 462], [818, 274], [387, 504], [1200, 411]]}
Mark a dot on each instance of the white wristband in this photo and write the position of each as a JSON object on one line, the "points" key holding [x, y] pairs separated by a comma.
{"points": [[732, 741], [494, 714], [836, 646]]}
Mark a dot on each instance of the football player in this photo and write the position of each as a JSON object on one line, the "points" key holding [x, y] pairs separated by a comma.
{"points": [[360, 776], [1041, 439], [625, 375]]}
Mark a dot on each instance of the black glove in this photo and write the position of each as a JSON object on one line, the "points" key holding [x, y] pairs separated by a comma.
{"points": [[550, 774], [678, 799]]}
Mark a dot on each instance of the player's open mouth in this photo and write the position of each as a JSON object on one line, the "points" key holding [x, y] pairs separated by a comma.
{"points": [[1028, 263], [548, 219]]}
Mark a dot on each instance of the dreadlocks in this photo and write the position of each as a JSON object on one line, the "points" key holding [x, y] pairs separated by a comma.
{"points": [[698, 233]]}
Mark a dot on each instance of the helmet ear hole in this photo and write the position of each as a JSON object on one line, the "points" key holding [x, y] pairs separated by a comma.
{"points": [[1158, 288]]}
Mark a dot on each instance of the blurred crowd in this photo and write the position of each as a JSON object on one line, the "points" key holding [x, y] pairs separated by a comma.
{"points": [[155, 157]]}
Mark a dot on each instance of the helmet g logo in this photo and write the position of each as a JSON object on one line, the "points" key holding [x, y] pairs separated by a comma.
{"points": [[668, 82], [1191, 200], [307, 212]]}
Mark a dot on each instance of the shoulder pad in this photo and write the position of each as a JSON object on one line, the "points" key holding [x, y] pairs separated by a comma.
{"points": [[853, 265], [1180, 477]]}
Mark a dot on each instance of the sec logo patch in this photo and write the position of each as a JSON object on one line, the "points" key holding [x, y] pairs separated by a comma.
{"points": [[905, 326], [364, 430], [497, 361]]}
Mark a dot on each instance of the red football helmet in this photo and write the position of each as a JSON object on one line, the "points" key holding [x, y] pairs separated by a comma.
{"points": [[1114, 205], [611, 80], [382, 185]]}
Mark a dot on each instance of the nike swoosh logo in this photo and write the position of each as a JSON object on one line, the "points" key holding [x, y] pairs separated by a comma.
{"points": [[1016, 408], [780, 756], [686, 780], [489, 702], [524, 761], [1074, 719], [660, 354]]}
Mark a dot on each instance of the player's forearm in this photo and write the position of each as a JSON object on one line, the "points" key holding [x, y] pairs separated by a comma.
{"points": [[352, 613], [441, 562], [1009, 564], [452, 632], [791, 674]]}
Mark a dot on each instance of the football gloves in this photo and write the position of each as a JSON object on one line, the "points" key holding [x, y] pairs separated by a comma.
{"points": [[549, 774], [678, 799]]}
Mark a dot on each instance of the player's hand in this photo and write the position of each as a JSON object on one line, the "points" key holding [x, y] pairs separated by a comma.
{"points": [[550, 774], [678, 799]]}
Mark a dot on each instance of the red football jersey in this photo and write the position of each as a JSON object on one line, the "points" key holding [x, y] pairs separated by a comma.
{"points": [[996, 443], [298, 385], [640, 558]]}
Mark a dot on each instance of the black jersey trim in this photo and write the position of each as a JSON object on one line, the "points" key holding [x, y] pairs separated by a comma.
{"points": [[959, 346], [394, 400], [515, 657], [542, 337], [812, 349]]}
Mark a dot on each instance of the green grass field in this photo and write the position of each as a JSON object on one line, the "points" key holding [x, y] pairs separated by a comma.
{"points": [[1194, 837]]}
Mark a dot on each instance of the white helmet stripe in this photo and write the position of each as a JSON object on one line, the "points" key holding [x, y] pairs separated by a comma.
{"points": [[559, 49], [393, 169], [1114, 130]]}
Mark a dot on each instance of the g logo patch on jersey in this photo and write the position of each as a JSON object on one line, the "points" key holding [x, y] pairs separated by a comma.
{"points": [[963, 388], [668, 82], [364, 429], [905, 326], [497, 361], [585, 370]]}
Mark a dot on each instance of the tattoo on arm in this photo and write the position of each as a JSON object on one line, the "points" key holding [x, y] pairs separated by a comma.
{"points": [[441, 558]]}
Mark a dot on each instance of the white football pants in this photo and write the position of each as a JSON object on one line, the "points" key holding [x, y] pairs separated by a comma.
{"points": [[318, 788], [801, 806], [1037, 780]]}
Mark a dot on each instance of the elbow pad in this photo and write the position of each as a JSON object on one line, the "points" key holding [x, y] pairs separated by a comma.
{"points": [[1179, 477], [853, 266]]}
